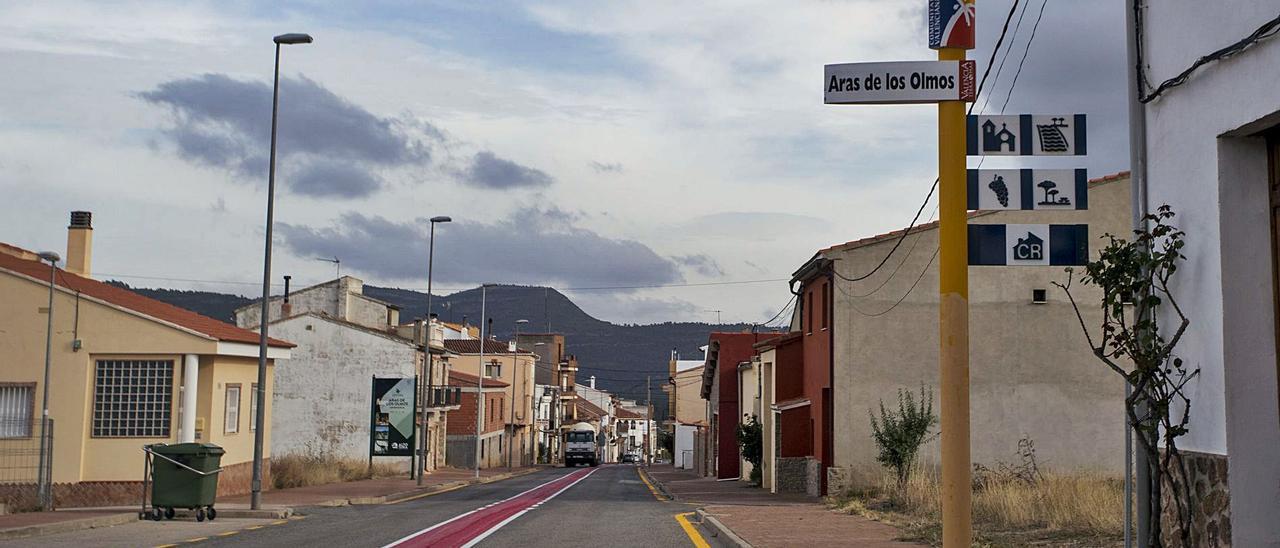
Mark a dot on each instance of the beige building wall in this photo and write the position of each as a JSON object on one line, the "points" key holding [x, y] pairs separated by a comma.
{"points": [[106, 332], [518, 373], [768, 418], [1032, 373], [690, 407]]}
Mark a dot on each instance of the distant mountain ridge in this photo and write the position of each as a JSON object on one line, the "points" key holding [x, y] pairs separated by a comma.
{"points": [[620, 356]]}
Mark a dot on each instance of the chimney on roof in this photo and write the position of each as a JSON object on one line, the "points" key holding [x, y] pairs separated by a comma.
{"points": [[286, 309], [592, 382], [80, 244]]}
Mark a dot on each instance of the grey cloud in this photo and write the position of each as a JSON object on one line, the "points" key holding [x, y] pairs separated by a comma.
{"points": [[601, 167], [489, 171], [532, 246], [324, 178], [633, 309], [700, 263], [328, 146]]}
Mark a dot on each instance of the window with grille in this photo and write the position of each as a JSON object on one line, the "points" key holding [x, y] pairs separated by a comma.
{"points": [[132, 398], [16, 408], [231, 412]]}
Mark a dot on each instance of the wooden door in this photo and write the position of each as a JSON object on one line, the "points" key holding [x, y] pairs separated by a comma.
{"points": [[1273, 180]]}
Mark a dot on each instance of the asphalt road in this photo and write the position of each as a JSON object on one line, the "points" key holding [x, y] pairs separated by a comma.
{"points": [[609, 505]]}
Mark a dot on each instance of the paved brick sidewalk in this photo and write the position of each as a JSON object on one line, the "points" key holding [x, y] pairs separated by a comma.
{"points": [[766, 520]]}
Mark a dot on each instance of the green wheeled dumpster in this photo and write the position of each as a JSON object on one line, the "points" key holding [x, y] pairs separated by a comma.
{"points": [[184, 475]]}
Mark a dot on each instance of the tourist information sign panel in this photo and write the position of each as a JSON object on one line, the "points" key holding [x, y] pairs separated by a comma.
{"points": [[899, 82], [1027, 135], [1028, 245], [1044, 189], [391, 428]]}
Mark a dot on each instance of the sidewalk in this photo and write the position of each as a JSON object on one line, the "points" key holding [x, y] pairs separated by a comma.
{"points": [[759, 518], [277, 503]]}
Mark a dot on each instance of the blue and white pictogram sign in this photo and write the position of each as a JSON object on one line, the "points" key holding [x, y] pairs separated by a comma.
{"points": [[1027, 135], [1028, 189], [951, 24], [1028, 245]]}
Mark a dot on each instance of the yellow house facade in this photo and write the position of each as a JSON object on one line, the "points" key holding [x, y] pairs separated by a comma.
{"points": [[125, 371]]}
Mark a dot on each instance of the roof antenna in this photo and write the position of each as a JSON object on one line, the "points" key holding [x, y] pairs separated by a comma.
{"points": [[337, 263]]}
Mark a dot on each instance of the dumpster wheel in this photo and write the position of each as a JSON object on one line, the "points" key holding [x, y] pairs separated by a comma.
{"points": [[211, 513]]}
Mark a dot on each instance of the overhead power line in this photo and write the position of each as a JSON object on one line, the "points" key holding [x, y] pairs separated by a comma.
{"points": [[1267, 30]]}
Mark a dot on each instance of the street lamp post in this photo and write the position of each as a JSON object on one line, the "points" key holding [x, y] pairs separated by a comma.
{"points": [[255, 500], [515, 360], [480, 379], [45, 472], [428, 387]]}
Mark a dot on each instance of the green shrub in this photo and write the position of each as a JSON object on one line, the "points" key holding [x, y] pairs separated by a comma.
{"points": [[899, 435]]}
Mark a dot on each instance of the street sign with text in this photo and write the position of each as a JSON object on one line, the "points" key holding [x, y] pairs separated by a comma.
{"points": [[1043, 189], [899, 82], [1028, 245], [1026, 135]]}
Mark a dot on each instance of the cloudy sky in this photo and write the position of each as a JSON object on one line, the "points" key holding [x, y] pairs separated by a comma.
{"points": [[575, 144]]}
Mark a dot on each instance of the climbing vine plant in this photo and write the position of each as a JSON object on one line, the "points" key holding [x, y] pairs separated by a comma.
{"points": [[1142, 323]]}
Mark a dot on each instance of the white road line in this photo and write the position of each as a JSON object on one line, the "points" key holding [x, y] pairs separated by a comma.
{"points": [[501, 524], [460, 516]]}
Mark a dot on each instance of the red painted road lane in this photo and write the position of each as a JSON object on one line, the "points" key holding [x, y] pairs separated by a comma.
{"points": [[477, 524]]}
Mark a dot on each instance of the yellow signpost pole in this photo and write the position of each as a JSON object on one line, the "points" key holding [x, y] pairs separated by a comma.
{"points": [[953, 278]]}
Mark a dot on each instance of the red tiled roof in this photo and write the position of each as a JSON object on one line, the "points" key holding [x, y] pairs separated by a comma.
{"points": [[589, 408], [457, 378], [472, 346], [854, 244], [625, 414], [135, 302]]}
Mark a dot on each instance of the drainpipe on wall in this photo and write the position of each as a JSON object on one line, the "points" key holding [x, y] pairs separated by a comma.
{"points": [[1138, 196], [190, 387]]}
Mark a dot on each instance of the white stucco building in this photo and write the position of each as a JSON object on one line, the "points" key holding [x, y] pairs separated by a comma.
{"points": [[322, 401], [1213, 154]]}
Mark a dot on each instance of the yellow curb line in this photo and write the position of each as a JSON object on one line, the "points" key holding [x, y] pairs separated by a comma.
{"points": [[197, 539], [645, 478], [227, 534], [694, 536], [167, 546], [281, 522]]}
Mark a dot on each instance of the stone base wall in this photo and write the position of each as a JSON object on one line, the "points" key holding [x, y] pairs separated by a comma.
{"points": [[1211, 515], [813, 477], [800, 475], [839, 480]]}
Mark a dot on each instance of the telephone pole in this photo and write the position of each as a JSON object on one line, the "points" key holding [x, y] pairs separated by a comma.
{"points": [[648, 404]]}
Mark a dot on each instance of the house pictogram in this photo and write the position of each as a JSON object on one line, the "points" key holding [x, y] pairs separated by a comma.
{"points": [[994, 141], [1052, 139], [1030, 248]]}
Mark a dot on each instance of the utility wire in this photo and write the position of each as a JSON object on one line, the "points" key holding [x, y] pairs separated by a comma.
{"points": [[1025, 51], [1267, 30], [923, 271], [1013, 38]]}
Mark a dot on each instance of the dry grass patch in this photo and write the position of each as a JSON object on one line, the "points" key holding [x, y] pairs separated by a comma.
{"points": [[1055, 509], [302, 470]]}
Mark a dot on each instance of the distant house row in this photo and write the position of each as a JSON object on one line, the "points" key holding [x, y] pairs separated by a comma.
{"points": [[128, 370], [854, 344]]}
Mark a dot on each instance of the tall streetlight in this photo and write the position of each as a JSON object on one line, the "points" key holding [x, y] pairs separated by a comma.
{"points": [[255, 499], [427, 387], [46, 463], [515, 361], [480, 378]]}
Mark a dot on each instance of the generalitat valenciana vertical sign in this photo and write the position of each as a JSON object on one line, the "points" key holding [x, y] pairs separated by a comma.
{"points": [[899, 82], [391, 431]]}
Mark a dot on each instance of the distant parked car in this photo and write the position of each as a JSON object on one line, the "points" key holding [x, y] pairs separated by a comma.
{"points": [[630, 458]]}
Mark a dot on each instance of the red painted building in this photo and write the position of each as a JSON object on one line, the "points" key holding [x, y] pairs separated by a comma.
{"points": [[817, 324], [720, 387]]}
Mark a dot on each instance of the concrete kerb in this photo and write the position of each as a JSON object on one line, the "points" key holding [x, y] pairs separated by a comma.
{"points": [[396, 497], [719, 531], [657, 484], [69, 525]]}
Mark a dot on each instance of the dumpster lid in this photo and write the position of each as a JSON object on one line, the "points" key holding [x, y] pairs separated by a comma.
{"points": [[188, 449]]}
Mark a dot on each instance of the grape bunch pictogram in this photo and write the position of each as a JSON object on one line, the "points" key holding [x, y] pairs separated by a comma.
{"points": [[1002, 190]]}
